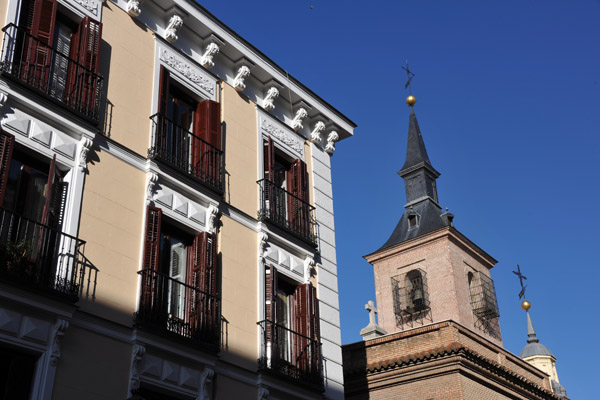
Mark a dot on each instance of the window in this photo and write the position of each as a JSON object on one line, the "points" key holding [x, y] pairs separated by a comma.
{"points": [[16, 374], [179, 281], [57, 55], [291, 329], [284, 192], [187, 133], [411, 297]]}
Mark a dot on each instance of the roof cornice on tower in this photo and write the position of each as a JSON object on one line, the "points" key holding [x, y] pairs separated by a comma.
{"points": [[448, 232]]}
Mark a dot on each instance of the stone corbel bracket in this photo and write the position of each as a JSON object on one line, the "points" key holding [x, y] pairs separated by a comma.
{"points": [[3, 101], [212, 49], [86, 145], [133, 8], [331, 139], [175, 23], [137, 355], [59, 331], [309, 265], [263, 244], [206, 381], [272, 93], [302, 108], [315, 135], [212, 216], [151, 181], [263, 393]]}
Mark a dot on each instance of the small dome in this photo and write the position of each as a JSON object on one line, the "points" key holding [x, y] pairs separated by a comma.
{"points": [[536, 349]]}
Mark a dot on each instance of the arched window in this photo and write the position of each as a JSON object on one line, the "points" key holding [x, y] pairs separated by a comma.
{"points": [[415, 287]]}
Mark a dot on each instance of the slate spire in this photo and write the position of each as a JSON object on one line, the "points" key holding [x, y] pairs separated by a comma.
{"points": [[418, 173], [422, 213]]}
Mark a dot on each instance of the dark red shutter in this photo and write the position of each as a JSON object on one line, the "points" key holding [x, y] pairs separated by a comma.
{"points": [[202, 277], [48, 190], [297, 185], [206, 160], [269, 159], [306, 322], [38, 54], [7, 143], [163, 91], [152, 238], [207, 122], [89, 37]]}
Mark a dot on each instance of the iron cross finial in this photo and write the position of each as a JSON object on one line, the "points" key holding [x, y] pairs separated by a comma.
{"points": [[521, 278], [410, 75]]}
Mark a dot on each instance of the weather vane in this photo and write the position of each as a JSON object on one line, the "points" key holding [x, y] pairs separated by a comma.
{"points": [[521, 278], [410, 100], [410, 75]]}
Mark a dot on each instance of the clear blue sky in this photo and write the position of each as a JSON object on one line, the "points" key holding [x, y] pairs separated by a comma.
{"points": [[509, 107]]}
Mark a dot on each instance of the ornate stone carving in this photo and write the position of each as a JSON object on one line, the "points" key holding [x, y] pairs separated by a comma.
{"points": [[3, 98], [174, 24], [286, 137], [300, 115], [90, 5], [187, 70], [263, 240], [207, 58], [242, 74], [315, 135], [331, 139], [309, 264], [137, 355], [269, 102], [151, 181], [212, 215], [133, 8], [59, 331], [263, 393], [86, 145], [206, 381]]}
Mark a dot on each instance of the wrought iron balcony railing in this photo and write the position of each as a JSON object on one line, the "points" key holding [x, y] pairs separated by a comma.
{"points": [[287, 211], [288, 354], [49, 72], [39, 257], [172, 308], [182, 150]]}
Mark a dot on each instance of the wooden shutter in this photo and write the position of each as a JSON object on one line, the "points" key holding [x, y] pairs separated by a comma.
{"points": [[297, 185], [38, 55], [207, 122], [89, 37], [48, 190], [306, 323], [271, 337], [7, 143], [152, 238], [204, 315], [269, 159], [206, 160], [163, 91]]}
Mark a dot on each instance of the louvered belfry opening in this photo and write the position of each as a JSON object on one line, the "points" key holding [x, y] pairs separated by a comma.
{"points": [[284, 199], [484, 304], [411, 298], [34, 252], [179, 296], [186, 135], [58, 63], [290, 346]]}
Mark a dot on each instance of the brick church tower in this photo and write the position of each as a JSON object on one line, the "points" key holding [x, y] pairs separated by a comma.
{"points": [[438, 335]]}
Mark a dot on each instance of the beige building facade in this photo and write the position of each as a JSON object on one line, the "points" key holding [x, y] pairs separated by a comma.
{"points": [[167, 215]]}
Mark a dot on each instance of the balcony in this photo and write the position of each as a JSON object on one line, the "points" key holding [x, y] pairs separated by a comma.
{"points": [[182, 150], [40, 258], [173, 309], [287, 211], [290, 355], [50, 73]]}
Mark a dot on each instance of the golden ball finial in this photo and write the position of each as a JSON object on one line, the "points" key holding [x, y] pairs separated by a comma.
{"points": [[411, 100], [525, 305]]}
